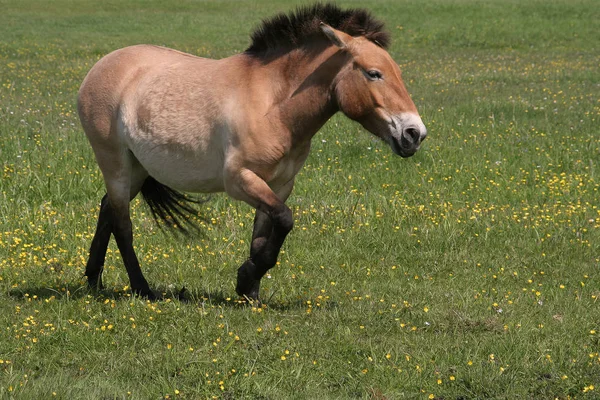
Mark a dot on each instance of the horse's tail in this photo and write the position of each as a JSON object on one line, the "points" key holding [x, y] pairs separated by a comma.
{"points": [[170, 208]]}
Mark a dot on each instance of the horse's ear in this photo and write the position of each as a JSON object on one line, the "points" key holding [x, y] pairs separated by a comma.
{"points": [[336, 37]]}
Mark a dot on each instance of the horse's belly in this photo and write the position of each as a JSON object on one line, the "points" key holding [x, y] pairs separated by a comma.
{"points": [[182, 168], [188, 177]]}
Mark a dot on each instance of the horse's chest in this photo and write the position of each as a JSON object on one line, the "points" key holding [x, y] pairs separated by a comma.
{"points": [[284, 171], [287, 168]]}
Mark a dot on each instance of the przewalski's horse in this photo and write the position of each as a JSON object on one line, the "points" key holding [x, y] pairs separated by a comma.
{"points": [[161, 121]]}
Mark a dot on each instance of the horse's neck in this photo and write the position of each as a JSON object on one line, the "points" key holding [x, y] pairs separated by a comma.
{"points": [[307, 100]]}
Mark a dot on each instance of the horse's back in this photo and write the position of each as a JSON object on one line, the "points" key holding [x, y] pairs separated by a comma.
{"points": [[115, 76]]}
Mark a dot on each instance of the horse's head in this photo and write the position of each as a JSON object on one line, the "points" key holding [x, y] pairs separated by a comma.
{"points": [[369, 89]]}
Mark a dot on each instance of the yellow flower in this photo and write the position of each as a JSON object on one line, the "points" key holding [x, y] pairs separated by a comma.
{"points": [[588, 388]]}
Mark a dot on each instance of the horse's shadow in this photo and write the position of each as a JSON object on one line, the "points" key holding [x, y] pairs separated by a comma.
{"points": [[77, 291], [70, 291]]}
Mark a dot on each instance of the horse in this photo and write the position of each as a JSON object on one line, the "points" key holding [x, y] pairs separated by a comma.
{"points": [[163, 123]]}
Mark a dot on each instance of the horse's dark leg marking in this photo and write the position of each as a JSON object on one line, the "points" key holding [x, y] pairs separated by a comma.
{"points": [[124, 236], [283, 222], [263, 228], [270, 230], [95, 264]]}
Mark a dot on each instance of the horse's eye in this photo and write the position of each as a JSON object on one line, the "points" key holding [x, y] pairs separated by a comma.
{"points": [[374, 75]]}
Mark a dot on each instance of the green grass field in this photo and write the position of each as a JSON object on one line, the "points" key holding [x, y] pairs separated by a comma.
{"points": [[469, 271]]}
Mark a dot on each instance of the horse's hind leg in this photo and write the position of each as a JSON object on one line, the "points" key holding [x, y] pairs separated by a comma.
{"points": [[123, 176], [122, 229], [104, 227], [122, 184], [95, 264]]}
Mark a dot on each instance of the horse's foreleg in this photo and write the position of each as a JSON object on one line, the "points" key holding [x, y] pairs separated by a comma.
{"points": [[263, 228], [272, 223], [247, 284], [95, 264]]}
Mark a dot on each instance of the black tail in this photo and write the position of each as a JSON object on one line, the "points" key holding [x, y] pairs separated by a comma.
{"points": [[170, 208]]}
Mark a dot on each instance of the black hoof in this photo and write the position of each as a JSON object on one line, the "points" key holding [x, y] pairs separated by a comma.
{"points": [[249, 290], [181, 295], [148, 294], [248, 285], [95, 283]]}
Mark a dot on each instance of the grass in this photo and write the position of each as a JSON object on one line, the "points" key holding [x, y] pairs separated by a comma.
{"points": [[468, 271]]}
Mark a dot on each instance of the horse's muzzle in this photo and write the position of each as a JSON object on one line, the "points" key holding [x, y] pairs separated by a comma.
{"points": [[409, 141]]}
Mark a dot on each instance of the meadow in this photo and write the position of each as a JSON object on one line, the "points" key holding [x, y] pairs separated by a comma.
{"points": [[469, 271]]}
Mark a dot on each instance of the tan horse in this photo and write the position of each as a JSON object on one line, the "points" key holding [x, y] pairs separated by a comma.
{"points": [[161, 121]]}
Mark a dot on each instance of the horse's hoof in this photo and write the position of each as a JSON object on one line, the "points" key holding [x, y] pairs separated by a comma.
{"points": [[249, 291], [181, 295], [148, 294], [247, 284], [248, 288], [95, 283]]}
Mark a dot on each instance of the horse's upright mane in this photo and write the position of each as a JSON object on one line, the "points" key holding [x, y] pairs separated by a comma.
{"points": [[288, 31]]}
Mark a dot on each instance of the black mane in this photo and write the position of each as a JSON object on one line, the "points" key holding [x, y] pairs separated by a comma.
{"points": [[288, 31]]}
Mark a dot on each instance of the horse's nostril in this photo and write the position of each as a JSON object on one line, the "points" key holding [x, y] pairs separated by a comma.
{"points": [[412, 134]]}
